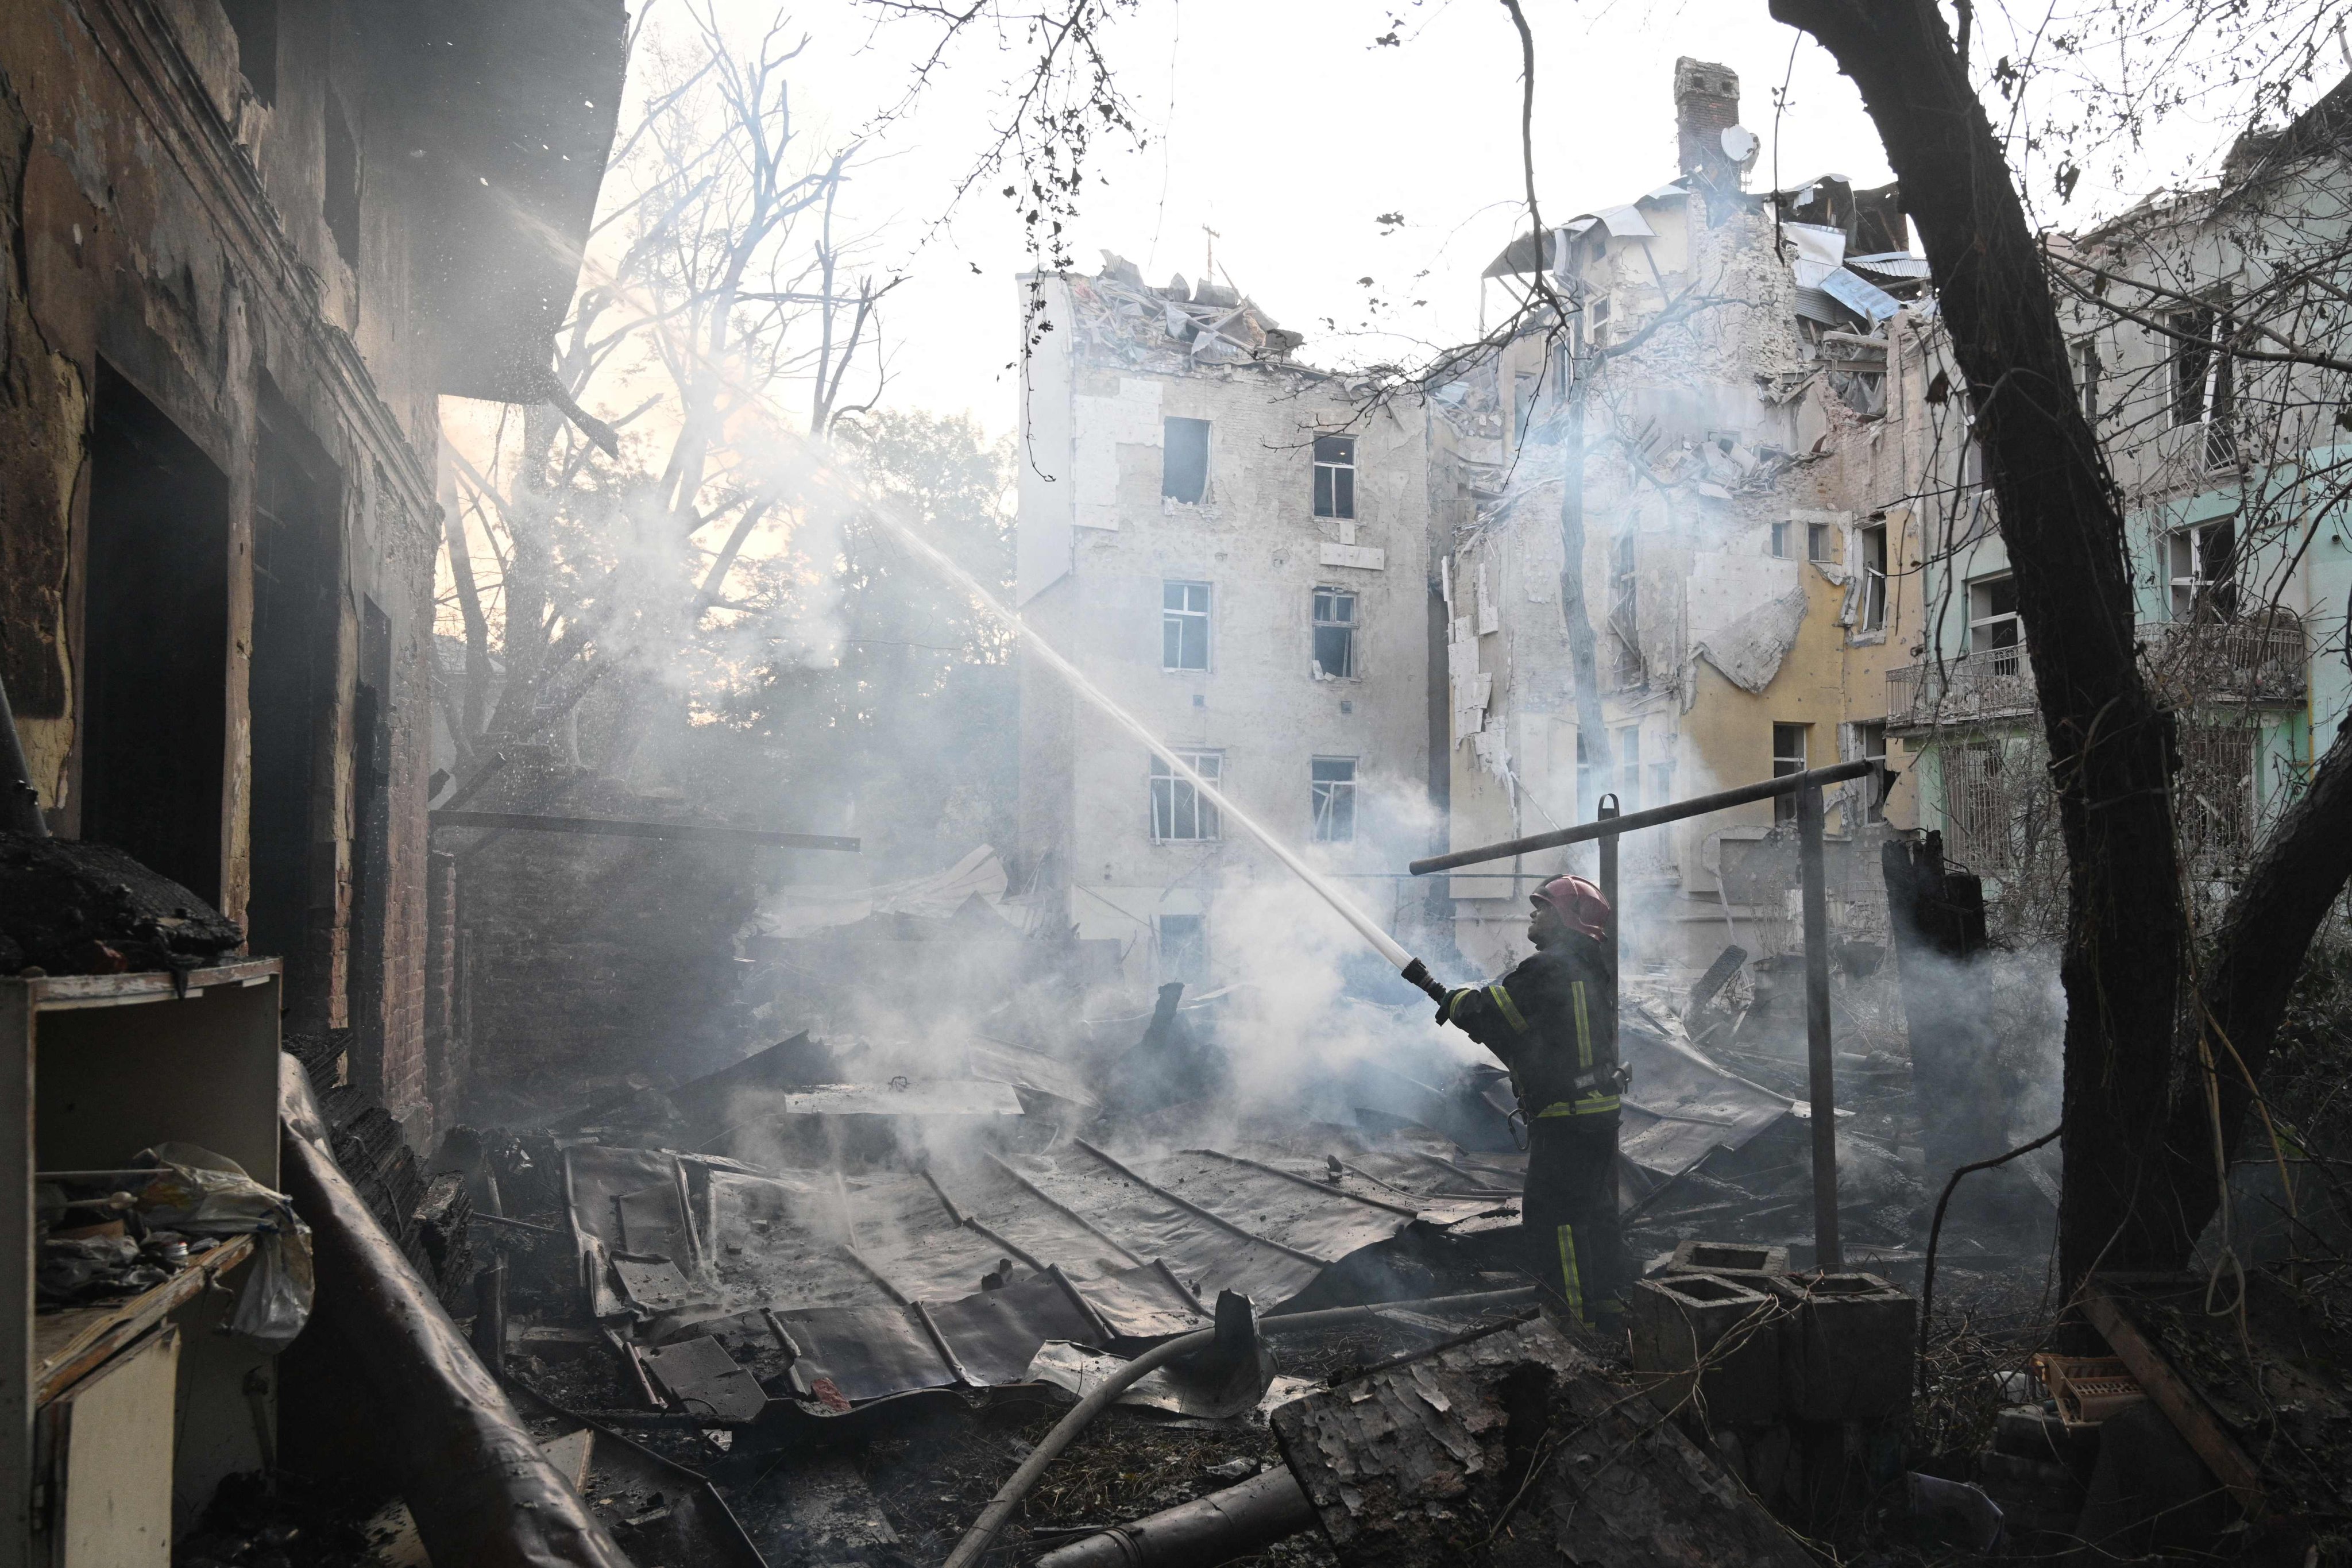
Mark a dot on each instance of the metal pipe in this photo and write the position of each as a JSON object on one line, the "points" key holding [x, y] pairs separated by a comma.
{"points": [[1656, 817], [1820, 1065], [481, 1489], [1607, 810], [984, 1530], [1235, 1522], [690, 832], [20, 803]]}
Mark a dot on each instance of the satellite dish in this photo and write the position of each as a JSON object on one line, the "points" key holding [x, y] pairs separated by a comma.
{"points": [[1740, 144]]}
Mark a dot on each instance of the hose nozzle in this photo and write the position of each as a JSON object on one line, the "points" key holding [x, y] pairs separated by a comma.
{"points": [[1418, 972]]}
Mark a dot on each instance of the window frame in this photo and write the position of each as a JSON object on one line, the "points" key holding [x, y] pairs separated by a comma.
{"points": [[1819, 543], [1627, 740], [1785, 763], [1869, 538], [1168, 430], [1334, 488], [1331, 799], [1170, 790], [2009, 618], [1866, 732], [1778, 544], [1318, 625], [2203, 585], [1180, 618]]}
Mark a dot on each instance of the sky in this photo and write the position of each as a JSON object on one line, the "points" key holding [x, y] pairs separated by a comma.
{"points": [[1289, 131]]}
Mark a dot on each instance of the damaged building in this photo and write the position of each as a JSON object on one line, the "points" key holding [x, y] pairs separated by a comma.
{"points": [[1233, 544], [1745, 524]]}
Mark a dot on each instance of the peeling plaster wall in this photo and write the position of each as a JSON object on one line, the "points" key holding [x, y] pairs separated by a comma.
{"points": [[171, 226], [1708, 593]]}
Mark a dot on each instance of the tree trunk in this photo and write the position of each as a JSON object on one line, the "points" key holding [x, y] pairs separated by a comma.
{"points": [[2062, 519]]}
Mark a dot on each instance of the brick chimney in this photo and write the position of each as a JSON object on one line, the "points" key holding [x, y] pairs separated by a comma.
{"points": [[1707, 103]]}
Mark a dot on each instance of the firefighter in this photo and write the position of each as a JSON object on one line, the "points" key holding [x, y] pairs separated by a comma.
{"points": [[1553, 1022]]}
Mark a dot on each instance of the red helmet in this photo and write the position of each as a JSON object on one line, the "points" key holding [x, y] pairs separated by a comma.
{"points": [[1579, 903]]}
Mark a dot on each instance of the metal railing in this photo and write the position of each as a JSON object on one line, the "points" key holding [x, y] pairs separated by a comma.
{"points": [[1970, 690], [2186, 662], [2261, 662]]}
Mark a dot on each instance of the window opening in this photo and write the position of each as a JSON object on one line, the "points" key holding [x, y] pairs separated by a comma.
{"points": [[1873, 578], [2199, 562], [1178, 814], [2192, 364], [2087, 364], [1624, 608], [1780, 542], [1184, 626], [155, 629], [1332, 781], [1184, 460], [1335, 476], [1335, 634], [254, 23], [1788, 757], [1870, 745], [1994, 628], [1817, 542], [1629, 768]]}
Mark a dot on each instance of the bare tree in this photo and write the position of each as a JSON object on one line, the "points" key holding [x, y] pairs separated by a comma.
{"points": [[579, 550]]}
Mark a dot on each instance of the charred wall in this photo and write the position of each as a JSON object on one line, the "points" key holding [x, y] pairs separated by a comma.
{"points": [[218, 413]]}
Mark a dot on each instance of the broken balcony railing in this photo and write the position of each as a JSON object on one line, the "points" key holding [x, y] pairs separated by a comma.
{"points": [[2261, 662], [1996, 683], [1611, 826]]}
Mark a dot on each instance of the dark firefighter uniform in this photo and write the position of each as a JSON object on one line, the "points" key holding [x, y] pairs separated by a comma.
{"points": [[1553, 1022]]}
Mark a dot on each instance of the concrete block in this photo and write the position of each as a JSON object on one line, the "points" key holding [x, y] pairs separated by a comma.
{"points": [[1848, 1354], [1722, 1335], [1742, 1262]]}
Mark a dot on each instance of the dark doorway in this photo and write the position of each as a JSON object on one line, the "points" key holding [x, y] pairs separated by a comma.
{"points": [[372, 851], [297, 505], [156, 641]]}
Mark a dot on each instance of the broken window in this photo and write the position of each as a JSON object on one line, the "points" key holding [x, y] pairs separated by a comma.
{"points": [[1780, 542], [1870, 745], [1184, 460], [1178, 814], [1788, 757], [341, 200], [1332, 781], [1599, 312], [1335, 476], [1629, 768], [2199, 562], [2192, 364], [254, 23], [1993, 627], [1184, 626], [1819, 541], [1184, 949], [1523, 407], [1874, 577], [1624, 601], [2084, 353], [1335, 634]]}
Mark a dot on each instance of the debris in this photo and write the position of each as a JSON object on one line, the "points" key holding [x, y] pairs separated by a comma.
{"points": [[1975, 1518], [69, 907], [1081, 1371], [704, 1379], [1515, 1430]]}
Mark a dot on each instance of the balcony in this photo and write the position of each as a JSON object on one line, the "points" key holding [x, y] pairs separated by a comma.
{"points": [[1974, 689], [2260, 662], [2187, 664]]}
